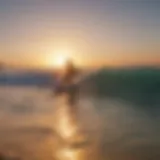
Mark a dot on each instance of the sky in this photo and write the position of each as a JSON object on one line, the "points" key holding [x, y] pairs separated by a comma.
{"points": [[92, 32]]}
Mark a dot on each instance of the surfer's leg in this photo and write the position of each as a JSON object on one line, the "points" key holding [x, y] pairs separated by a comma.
{"points": [[58, 90], [73, 98]]}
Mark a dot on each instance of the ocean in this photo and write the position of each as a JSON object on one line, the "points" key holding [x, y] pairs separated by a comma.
{"points": [[118, 128]]}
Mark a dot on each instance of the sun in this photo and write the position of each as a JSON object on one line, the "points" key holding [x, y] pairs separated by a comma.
{"points": [[56, 61], [60, 61], [58, 58]]}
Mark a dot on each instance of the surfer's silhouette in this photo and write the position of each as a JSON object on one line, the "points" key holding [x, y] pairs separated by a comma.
{"points": [[66, 84]]}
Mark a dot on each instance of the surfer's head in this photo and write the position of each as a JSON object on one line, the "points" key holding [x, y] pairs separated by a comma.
{"points": [[69, 63]]}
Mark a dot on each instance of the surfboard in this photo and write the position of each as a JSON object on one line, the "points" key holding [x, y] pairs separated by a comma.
{"points": [[78, 80]]}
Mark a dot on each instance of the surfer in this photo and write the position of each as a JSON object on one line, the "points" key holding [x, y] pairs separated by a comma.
{"points": [[67, 82], [68, 85]]}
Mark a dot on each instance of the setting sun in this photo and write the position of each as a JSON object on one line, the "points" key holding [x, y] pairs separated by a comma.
{"points": [[57, 61], [60, 61], [58, 58]]}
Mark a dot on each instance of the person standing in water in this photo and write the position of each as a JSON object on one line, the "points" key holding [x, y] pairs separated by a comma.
{"points": [[66, 83], [69, 87]]}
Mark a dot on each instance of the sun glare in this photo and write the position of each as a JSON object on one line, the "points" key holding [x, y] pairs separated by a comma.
{"points": [[60, 61], [58, 58]]}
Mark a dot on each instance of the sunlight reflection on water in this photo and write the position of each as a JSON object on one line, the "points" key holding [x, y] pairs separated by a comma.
{"points": [[117, 129]]}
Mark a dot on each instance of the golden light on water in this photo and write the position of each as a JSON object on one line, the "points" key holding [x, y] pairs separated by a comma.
{"points": [[70, 154]]}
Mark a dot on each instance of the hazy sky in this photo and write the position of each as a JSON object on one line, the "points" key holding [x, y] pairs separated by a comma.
{"points": [[113, 32]]}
